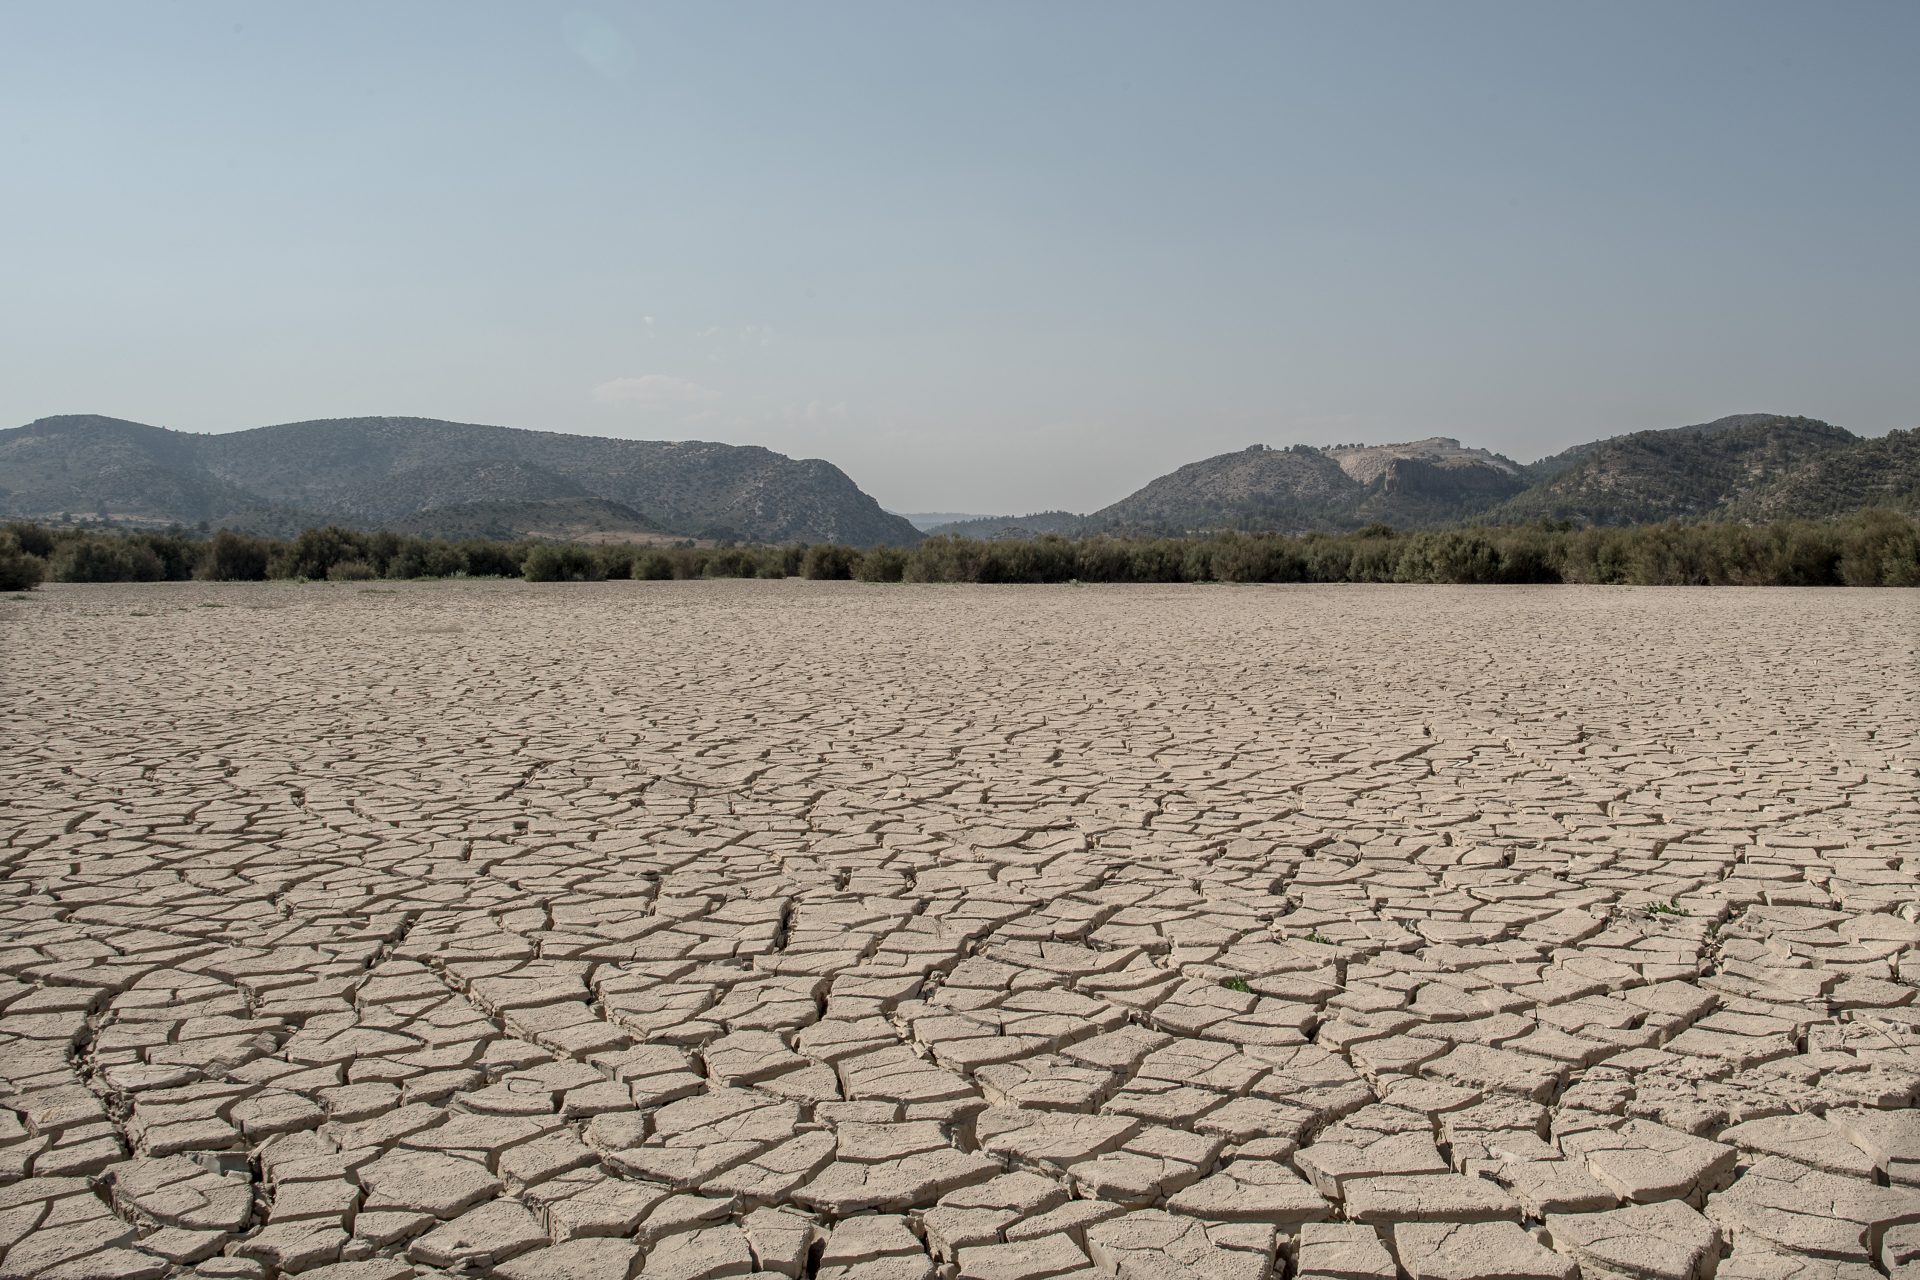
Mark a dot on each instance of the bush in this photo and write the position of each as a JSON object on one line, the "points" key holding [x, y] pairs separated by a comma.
{"points": [[351, 571], [1882, 549], [615, 561], [423, 558], [1872, 548], [316, 551], [830, 563], [1258, 558], [491, 559], [732, 562], [96, 559], [560, 562], [945, 559], [178, 554], [20, 570], [882, 564], [234, 557], [1045, 559], [30, 538]]}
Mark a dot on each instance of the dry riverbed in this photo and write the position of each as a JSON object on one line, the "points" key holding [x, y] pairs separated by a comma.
{"points": [[870, 932]]}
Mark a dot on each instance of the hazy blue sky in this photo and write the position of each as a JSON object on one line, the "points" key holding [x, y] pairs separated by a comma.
{"points": [[984, 256]]}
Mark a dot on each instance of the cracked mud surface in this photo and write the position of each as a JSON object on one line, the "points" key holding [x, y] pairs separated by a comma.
{"points": [[710, 929]]}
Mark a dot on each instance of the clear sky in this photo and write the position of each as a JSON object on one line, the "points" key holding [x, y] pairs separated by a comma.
{"points": [[984, 256]]}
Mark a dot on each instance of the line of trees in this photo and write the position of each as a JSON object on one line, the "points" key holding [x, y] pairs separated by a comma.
{"points": [[1869, 549]]}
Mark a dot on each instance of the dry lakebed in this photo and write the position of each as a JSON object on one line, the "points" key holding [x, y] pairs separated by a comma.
{"points": [[708, 929]]}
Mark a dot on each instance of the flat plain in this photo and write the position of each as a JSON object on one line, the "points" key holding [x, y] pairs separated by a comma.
{"points": [[688, 930]]}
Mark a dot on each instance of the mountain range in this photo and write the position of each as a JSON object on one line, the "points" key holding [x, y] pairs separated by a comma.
{"points": [[425, 476], [431, 477], [1754, 466]]}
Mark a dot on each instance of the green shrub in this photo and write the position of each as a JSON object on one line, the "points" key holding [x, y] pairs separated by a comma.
{"points": [[882, 564], [945, 559], [1873, 548], [88, 558], [316, 551], [20, 570], [560, 562], [178, 554], [1257, 558], [416, 558], [1881, 549], [615, 561], [234, 557], [30, 538], [351, 571], [491, 559], [830, 563], [731, 562]]}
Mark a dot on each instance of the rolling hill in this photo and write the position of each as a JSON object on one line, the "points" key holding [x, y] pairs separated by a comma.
{"points": [[1884, 472], [1423, 482], [370, 472], [1752, 466], [1685, 473], [423, 475]]}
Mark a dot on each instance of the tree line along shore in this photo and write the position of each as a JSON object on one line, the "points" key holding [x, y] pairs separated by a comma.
{"points": [[1866, 549]]}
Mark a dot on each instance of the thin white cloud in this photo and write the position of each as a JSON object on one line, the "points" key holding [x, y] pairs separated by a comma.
{"points": [[654, 391], [599, 44]]}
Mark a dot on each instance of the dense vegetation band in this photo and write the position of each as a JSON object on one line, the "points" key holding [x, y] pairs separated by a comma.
{"points": [[1868, 549]]}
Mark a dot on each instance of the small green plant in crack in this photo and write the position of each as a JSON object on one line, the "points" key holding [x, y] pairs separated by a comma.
{"points": [[1669, 908], [1319, 937], [1237, 984]]}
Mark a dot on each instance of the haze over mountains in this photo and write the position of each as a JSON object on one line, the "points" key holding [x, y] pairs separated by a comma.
{"points": [[431, 476], [425, 476], [1748, 466]]}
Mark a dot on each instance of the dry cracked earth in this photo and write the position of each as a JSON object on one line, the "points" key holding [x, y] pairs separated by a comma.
{"points": [[805, 929]]}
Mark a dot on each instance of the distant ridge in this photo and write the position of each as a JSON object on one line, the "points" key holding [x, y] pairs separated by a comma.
{"points": [[380, 472], [1691, 472], [1747, 466], [423, 475], [926, 521], [1030, 526]]}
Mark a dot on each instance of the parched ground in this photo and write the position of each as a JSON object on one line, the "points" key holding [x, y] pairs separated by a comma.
{"points": [[701, 929]]}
